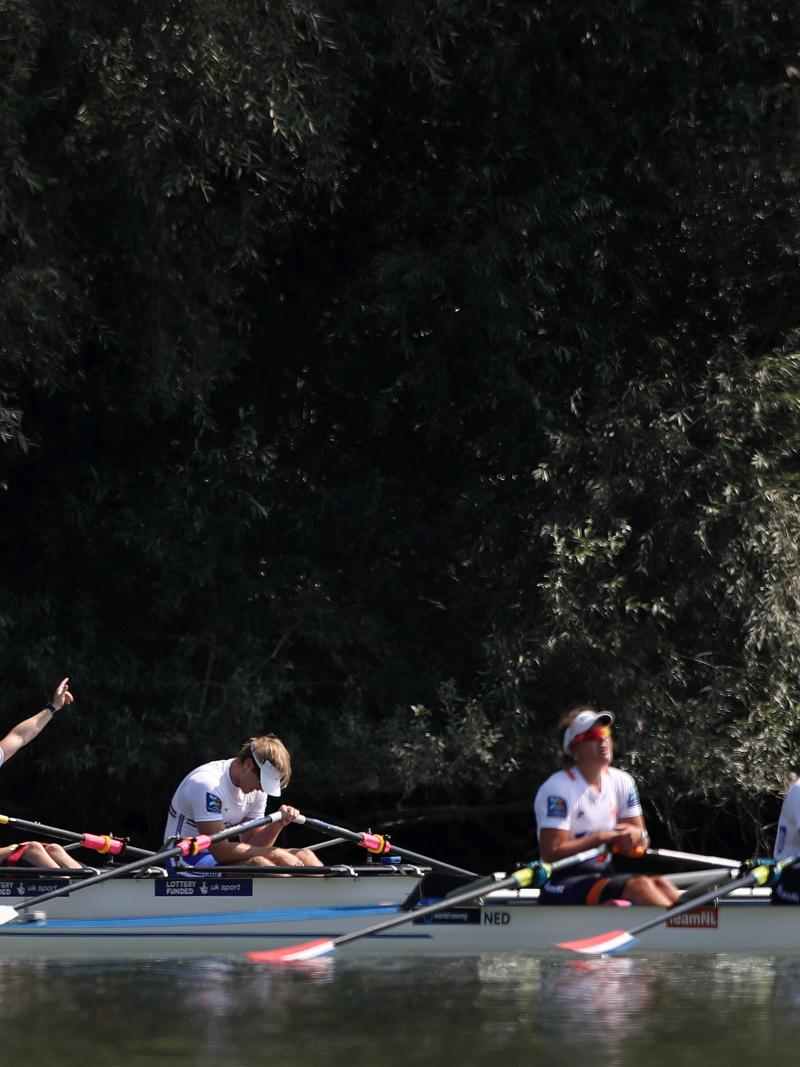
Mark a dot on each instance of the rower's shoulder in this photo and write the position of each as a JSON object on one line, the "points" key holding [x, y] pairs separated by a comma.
{"points": [[617, 774], [559, 780], [209, 775]]}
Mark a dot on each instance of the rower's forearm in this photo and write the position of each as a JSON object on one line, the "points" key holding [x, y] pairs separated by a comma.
{"points": [[25, 731], [565, 849], [264, 836], [33, 726]]}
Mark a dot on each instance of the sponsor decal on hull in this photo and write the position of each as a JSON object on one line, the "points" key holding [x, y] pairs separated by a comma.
{"points": [[35, 888], [451, 917], [465, 917], [185, 887], [704, 918]]}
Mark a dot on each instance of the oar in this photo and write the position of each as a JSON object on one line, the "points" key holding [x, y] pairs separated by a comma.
{"points": [[189, 846], [710, 861], [378, 845], [320, 845], [723, 870], [695, 857], [104, 843], [691, 892], [618, 940], [533, 874]]}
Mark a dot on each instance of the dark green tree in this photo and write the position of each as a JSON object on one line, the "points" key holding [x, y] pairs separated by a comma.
{"points": [[391, 376]]}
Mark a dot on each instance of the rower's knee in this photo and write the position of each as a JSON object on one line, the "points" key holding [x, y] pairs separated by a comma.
{"points": [[59, 855], [36, 853], [670, 892], [308, 858]]}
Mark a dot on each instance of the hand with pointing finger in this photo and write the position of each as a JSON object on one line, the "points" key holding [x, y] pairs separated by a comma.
{"points": [[62, 695]]}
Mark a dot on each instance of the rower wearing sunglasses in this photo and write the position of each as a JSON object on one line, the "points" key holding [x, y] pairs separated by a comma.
{"points": [[591, 803]]}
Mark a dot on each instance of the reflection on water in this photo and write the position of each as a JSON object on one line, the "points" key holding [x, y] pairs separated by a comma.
{"points": [[624, 1010], [608, 997]]}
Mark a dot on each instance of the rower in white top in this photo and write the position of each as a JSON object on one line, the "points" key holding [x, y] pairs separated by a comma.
{"points": [[588, 804], [226, 792], [787, 843]]}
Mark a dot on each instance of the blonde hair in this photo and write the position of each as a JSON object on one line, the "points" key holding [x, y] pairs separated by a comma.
{"points": [[269, 747]]}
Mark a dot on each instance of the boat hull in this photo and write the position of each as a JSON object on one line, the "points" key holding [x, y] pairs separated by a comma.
{"points": [[156, 894], [204, 915], [158, 917]]}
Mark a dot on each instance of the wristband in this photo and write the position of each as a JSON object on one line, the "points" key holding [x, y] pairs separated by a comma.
{"points": [[50, 706]]}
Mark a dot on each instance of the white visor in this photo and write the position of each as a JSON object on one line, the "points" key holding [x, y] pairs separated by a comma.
{"points": [[270, 779], [583, 722]]}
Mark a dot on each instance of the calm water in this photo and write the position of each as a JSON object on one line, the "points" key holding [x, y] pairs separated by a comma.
{"points": [[679, 1010]]}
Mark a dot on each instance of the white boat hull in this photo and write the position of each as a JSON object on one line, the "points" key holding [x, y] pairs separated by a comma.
{"points": [[745, 924], [155, 894], [159, 917]]}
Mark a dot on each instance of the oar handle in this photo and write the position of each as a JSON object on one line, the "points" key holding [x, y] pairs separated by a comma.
{"points": [[188, 846], [579, 857], [379, 845], [695, 857], [337, 831]]}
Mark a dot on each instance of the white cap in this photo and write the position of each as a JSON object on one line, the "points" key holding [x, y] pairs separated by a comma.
{"points": [[270, 779], [582, 722]]}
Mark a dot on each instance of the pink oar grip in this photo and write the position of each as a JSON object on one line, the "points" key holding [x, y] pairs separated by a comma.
{"points": [[375, 843], [190, 846], [103, 843]]}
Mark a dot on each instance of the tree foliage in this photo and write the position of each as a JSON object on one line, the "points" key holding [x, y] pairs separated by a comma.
{"points": [[390, 376]]}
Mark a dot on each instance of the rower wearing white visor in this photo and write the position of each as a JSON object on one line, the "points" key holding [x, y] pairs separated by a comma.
{"points": [[227, 792], [588, 804]]}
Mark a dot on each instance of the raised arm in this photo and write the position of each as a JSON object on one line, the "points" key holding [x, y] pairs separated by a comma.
{"points": [[25, 731]]}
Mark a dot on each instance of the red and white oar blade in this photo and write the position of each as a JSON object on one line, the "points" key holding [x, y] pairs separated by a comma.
{"points": [[601, 944], [310, 950]]}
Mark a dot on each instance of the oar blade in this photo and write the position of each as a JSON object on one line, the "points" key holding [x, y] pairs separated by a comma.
{"points": [[7, 913], [309, 950], [601, 944]]}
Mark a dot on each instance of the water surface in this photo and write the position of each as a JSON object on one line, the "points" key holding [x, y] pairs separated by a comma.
{"points": [[662, 1011]]}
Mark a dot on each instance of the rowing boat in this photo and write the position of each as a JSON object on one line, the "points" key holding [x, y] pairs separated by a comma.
{"points": [[153, 915], [203, 913], [745, 923]]}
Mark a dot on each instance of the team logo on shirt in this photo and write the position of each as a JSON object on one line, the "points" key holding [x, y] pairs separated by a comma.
{"points": [[633, 798], [781, 840], [557, 807], [213, 804]]}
